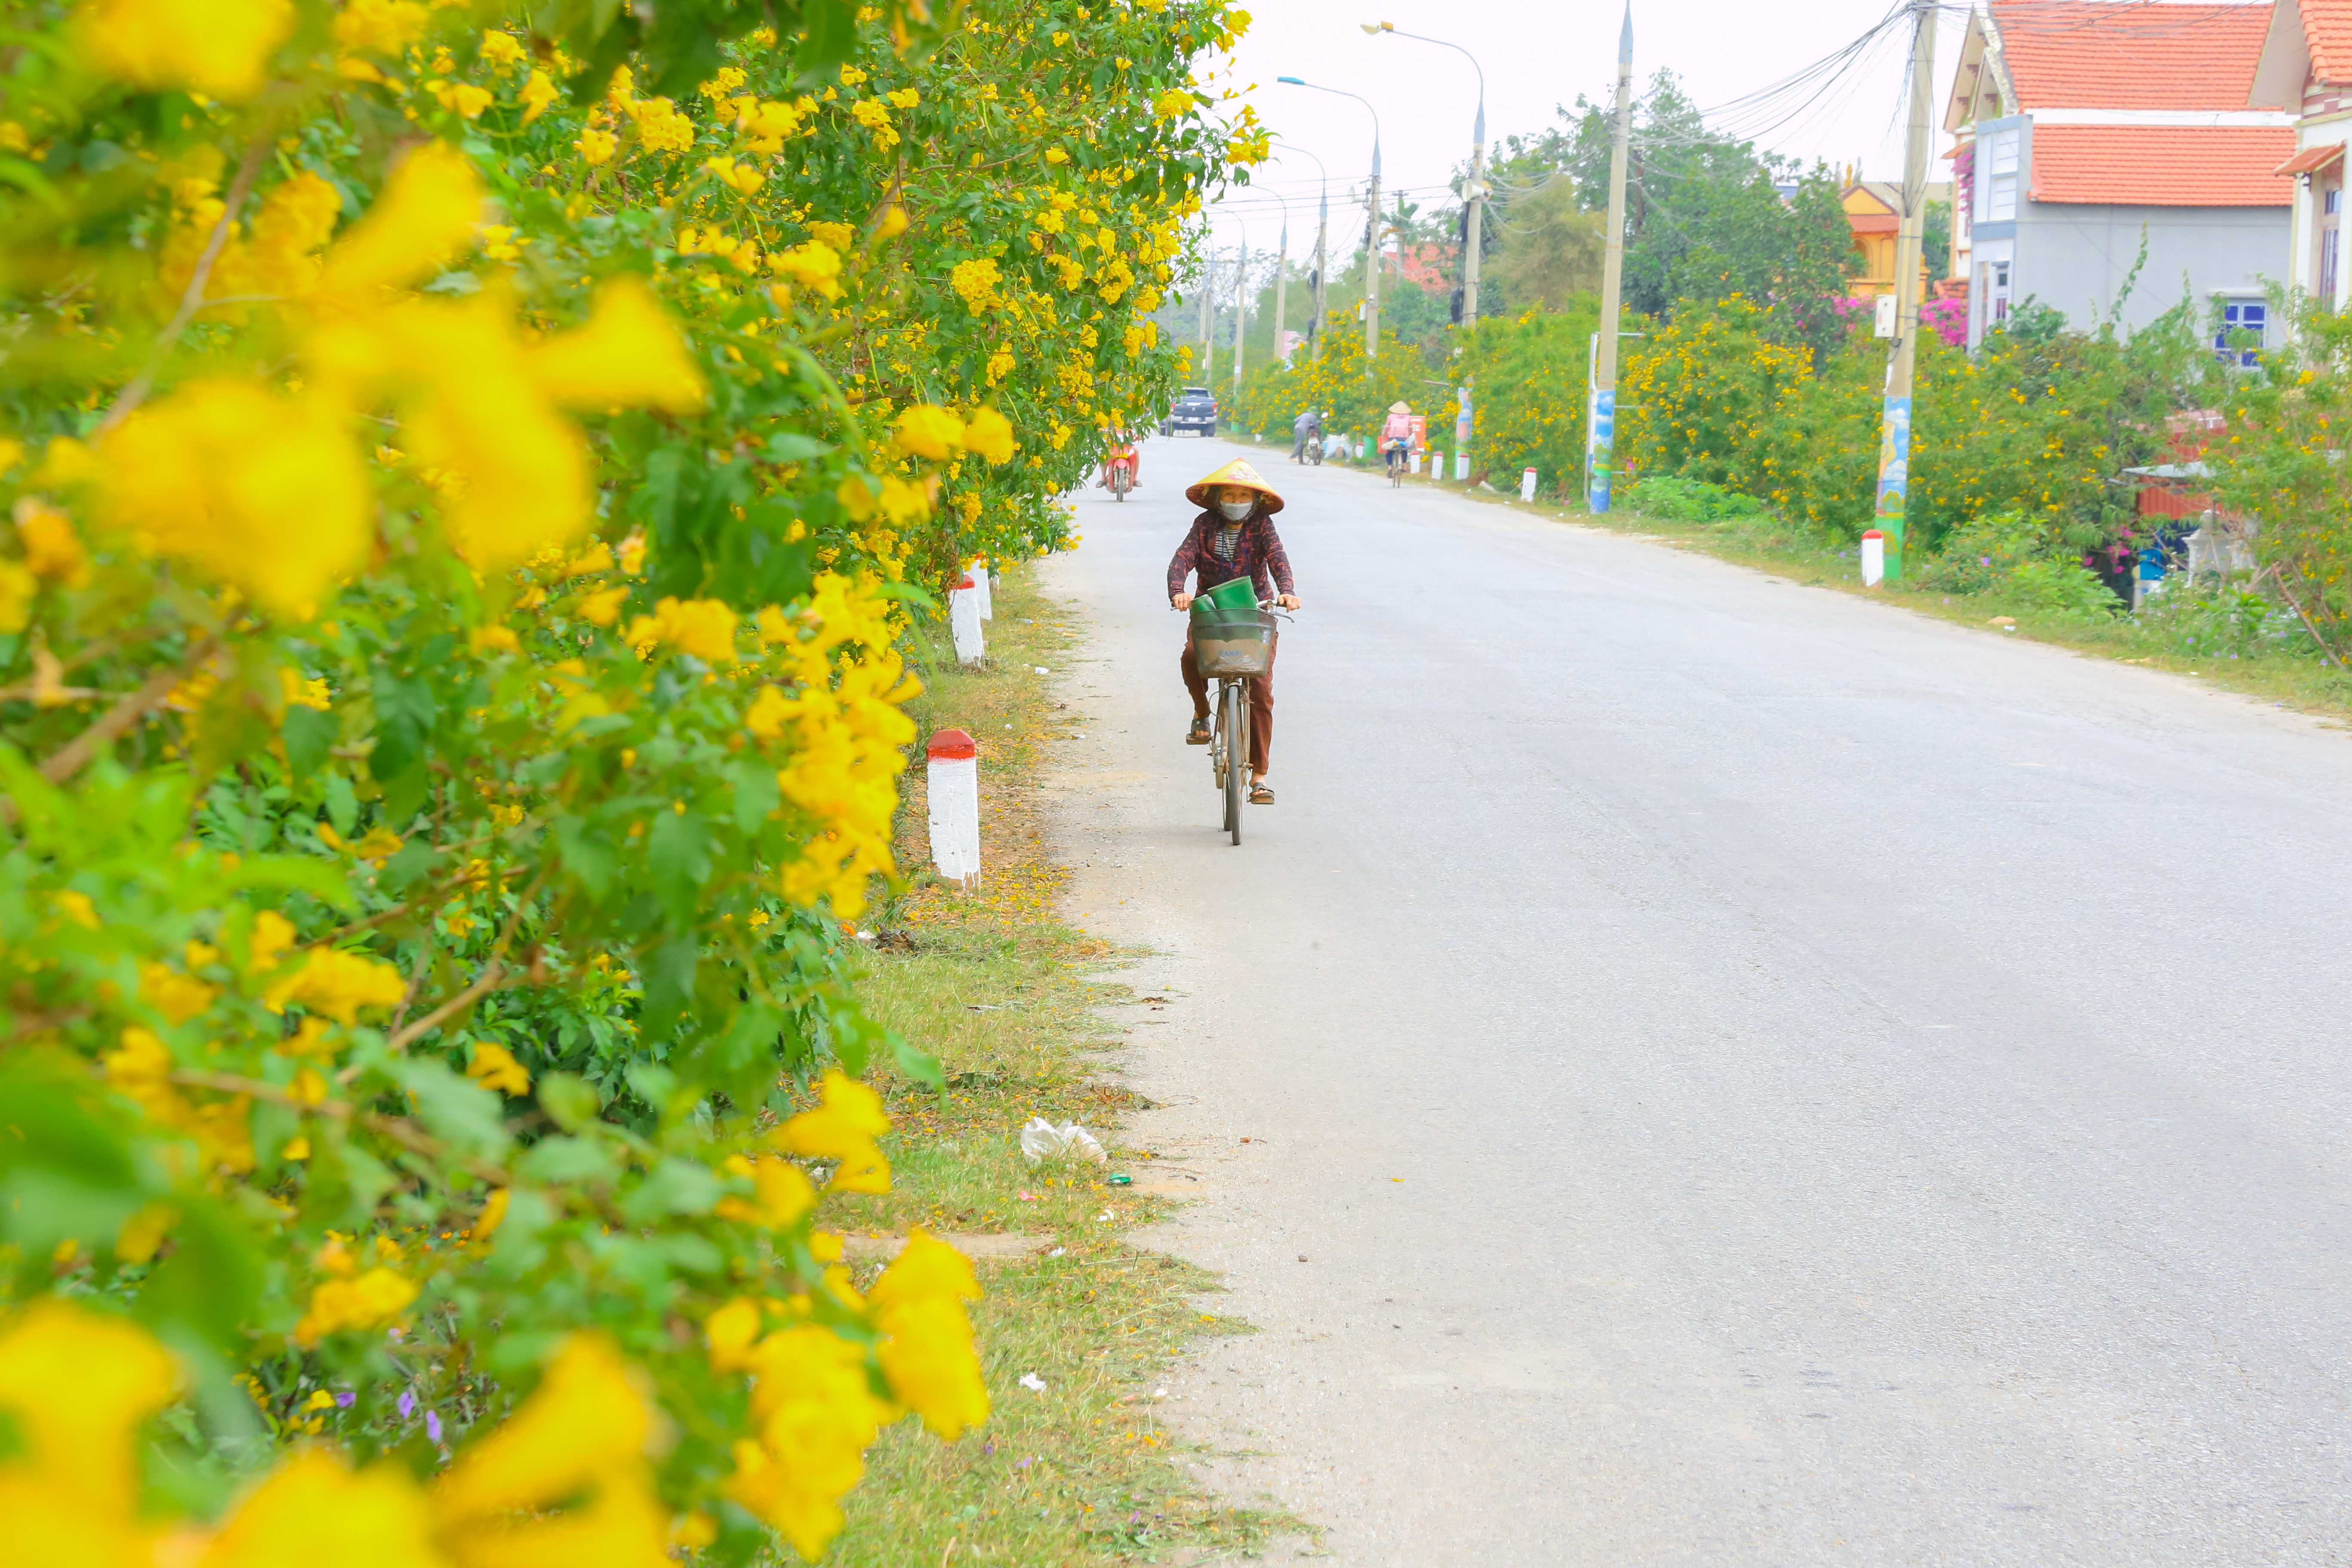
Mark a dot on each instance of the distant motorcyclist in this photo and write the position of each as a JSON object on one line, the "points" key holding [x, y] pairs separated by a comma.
{"points": [[1121, 448], [1307, 427]]}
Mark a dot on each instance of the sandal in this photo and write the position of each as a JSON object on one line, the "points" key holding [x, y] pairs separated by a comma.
{"points": [[1261, 795], [1198, 735]]}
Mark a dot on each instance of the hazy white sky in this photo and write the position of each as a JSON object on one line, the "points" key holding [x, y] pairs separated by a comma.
{"points": [[1537, 56]]}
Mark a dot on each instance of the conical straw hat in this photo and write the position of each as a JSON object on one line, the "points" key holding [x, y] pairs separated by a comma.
{"points": [[1400, 408], [1237, 472]]}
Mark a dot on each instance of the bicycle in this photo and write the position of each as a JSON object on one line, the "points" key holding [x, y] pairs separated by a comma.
{"points": [[1396, 465], [1232, 663]]}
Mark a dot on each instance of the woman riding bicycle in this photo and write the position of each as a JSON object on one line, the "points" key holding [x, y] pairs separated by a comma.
{"points": [[1234, 538], [1396, 435]]}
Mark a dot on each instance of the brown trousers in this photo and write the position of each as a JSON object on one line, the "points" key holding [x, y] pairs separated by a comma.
{"points": [[1261, 698]]}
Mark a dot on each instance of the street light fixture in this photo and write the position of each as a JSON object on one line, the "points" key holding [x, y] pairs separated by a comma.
{"points": [[1372, 257], [1474, 236]]}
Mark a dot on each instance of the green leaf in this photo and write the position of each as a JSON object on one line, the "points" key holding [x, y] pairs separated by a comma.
{"points": [[756, 793], [569, 1099], [673, 1187], [560, 1162], [916, 1063], [405, 713], [677, 852], [343, 805], [785, 446], [456, 1110], [310, 734], [668, 974], [211, 1278]]}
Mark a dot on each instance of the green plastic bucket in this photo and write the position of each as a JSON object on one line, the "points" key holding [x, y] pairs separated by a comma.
{"points": [[1236, 599]]}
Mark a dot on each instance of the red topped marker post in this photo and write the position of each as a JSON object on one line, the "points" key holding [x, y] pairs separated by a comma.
{"points": [[953, 787]]}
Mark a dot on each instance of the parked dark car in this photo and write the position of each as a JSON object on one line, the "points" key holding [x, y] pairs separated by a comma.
{"points": [[1195, 410]]}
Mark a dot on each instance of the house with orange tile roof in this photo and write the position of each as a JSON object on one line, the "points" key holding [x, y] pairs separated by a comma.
{"points": [[2082, 125], [2306, 61], [1873, 212]]}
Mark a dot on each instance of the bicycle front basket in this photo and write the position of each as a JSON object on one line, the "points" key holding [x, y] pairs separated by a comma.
{"points": [[1228, 643]]}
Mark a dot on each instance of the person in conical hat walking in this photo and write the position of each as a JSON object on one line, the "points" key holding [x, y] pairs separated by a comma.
{"points": [[1234, 537]]}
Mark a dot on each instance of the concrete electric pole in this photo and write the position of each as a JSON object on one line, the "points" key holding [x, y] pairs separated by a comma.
{"points": [[1894, 423], [1372, 268], [1601, 430], [1208, 306], [1241, 313], [1281, 279]]}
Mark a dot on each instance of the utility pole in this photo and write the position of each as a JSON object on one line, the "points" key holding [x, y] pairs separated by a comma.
{"points": [[1241, 313], [1477, 219], [1322, 227], [1894, 423], [1373, 269], [1601, 431], [1281, 277], [1208, 305]]}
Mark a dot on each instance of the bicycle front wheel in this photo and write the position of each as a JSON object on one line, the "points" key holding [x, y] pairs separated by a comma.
{"points": [[1234, 722]]}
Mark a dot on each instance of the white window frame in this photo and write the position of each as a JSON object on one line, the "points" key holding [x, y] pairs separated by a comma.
{"points": [[2000, 171]]}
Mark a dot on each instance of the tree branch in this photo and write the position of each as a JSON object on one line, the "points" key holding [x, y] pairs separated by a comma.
{"points": [[191, 299], [492, 976], [75, 754], [406, 1134]]}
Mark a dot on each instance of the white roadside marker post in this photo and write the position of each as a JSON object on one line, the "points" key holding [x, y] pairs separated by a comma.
{"points": [[1873, 557], [964, 620], [953, 787], [980, 575], [1527, 484]]}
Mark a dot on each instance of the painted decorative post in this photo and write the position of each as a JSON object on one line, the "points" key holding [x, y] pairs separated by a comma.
{"points": [[964, 620], [1873, 557], [952, 788], [1527, 484], [1894, 423], [980, 576]]}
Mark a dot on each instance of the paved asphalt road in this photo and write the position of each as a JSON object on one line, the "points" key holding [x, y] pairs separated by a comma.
{"points": [[1733, 1074]]}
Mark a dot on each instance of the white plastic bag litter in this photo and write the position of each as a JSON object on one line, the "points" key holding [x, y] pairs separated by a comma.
{"points": [[1041, 1140]]}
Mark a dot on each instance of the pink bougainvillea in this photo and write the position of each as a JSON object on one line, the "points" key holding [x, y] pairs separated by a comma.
{"points": [[1949, 318]]}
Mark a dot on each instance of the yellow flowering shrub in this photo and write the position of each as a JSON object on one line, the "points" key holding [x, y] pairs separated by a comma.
{"points": [[463, 488]]}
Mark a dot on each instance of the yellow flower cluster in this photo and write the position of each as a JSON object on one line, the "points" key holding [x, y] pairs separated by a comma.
{"points": [[350, 1298], [268, 489], [78, 1385], [837, 713], [813, 1407]]}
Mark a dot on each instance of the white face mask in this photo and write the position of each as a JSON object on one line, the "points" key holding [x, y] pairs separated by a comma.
{"points": [[1235, 511]]}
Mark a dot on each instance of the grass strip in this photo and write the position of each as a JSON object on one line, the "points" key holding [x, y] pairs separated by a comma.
{"points": [[1005, 993], [2286, 672]]}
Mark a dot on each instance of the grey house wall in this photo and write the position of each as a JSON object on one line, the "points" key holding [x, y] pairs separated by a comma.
{"points": [[2074, 258]]}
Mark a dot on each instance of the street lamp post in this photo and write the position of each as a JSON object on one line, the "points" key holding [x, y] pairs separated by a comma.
{"points": [[1322, 225], [1372, 257], [1474, 236]]}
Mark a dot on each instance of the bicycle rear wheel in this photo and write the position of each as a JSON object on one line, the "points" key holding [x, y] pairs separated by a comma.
{"points": [[1235, 721]]}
